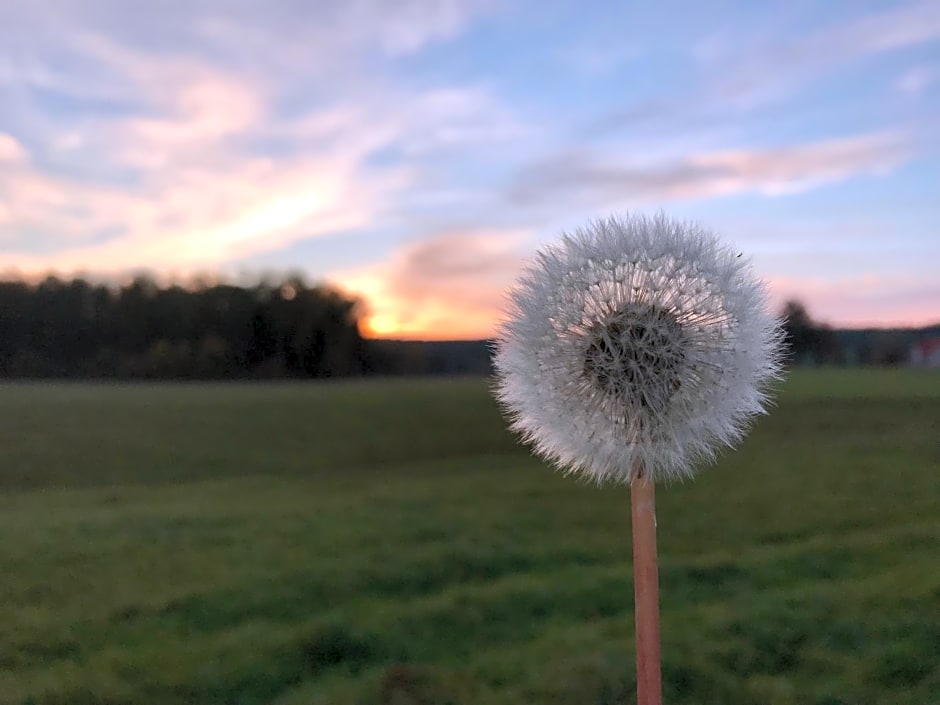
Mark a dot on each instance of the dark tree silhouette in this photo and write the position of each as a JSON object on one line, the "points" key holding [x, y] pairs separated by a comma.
{"points": [[809, 342], [78, 329]]}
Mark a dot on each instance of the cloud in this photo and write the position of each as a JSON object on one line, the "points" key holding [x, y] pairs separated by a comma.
{"points": [[11, 151], [807, 56], [400, 28], [451, 283], [206, 109], [181, 154], [407, 26], [201, 218], [178, 184], [199, 195], [585, 178], [905, 25], [396, 29], [742, 76]]}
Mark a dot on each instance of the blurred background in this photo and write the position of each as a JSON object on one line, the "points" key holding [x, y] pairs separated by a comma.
{"points": [[235, 199]]}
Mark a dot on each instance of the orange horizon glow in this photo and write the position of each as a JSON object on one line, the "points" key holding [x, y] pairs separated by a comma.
{"points": [[389, 315], [458, 333], [383, 327]]}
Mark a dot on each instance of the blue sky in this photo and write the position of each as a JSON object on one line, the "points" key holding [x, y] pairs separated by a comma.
{"points": [[416, 152]]}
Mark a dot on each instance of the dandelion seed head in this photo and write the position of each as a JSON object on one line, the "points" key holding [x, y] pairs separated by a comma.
{"points": [[636, 345]]}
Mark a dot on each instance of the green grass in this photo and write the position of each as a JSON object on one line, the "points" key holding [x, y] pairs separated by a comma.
{"points": [[388, 543]]}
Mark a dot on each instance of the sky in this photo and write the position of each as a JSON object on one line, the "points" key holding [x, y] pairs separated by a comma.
{"points": [[416, 153]]}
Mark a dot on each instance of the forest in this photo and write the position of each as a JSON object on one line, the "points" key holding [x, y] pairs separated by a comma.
{"points": [[66, 329]]}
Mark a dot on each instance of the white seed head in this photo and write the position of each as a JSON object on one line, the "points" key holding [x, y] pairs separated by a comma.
{"points": [[636, 346]]}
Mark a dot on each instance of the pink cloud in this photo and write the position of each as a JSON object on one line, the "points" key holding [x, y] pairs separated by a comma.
{"points": [[11, 151], [186, 107], [604, 182], [72, 210], [205, 109], [798, 167], [200, 197], [448, 286], [201, 202], [202, 218]]}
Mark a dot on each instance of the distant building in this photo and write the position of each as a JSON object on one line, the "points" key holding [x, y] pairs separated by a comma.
{"points": [[926, 353]]}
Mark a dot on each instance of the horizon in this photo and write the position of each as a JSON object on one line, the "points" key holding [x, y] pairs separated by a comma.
{"points": [[203, 281], [416, 155]]}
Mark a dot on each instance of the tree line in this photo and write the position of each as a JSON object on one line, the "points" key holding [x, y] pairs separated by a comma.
{"points": [[281, 329], [810, 342], [141, 330]]}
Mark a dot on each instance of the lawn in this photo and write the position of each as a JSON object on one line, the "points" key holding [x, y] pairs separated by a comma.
{"points": [[389, 543]]}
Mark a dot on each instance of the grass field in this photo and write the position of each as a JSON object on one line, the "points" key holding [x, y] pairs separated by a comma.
{"points": [[388, 543]]}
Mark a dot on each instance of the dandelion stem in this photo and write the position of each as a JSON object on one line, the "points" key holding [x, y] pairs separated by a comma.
{"points": [[646, 590]]}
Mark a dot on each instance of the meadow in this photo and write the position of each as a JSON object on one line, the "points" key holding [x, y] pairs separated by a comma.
{"points": [[389, 543]]}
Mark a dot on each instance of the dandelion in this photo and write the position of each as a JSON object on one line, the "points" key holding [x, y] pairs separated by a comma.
{"points": [[634, 351]]}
